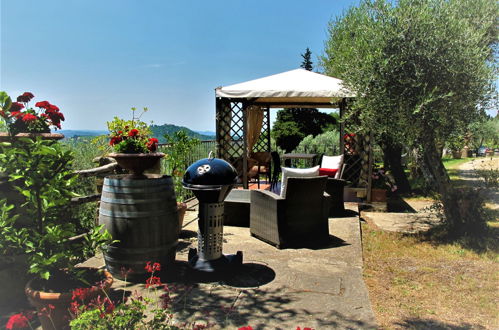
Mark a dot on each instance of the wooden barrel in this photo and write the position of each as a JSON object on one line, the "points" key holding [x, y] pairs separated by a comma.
{"points": [[142, 215]]}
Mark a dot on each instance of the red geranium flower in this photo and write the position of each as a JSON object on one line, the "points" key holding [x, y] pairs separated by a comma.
{"points": [[152, 144], [115, 140], [17, 321], [133, 132], [52, 107], [28, 118], [152, 268], [26, 97], [245, 328], [16, 106], [153, 280], [42, 104], [16, 114]]}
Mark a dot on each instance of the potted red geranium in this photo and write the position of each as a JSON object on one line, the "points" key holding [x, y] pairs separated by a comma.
{"points": [[135, 150], [24, 121]]}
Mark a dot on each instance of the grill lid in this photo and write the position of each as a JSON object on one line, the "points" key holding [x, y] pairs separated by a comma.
{"points": [[209, 173]]}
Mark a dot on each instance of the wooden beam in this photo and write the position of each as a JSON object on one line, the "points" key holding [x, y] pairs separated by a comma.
{"points": [[98, 170]]}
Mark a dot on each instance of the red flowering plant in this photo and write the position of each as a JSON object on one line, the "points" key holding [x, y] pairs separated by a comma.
{"points": [[19, 117], [382, 179], [134, 312], [131, 136]]}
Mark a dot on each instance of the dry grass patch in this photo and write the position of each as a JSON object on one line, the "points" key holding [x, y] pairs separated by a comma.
{"points": [[415, 284]]}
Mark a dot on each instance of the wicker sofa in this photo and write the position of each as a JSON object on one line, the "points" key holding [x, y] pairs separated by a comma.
{"points": [[294, 221]]}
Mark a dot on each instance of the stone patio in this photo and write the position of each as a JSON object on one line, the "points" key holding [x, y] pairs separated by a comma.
{"points": [[319, 287]]}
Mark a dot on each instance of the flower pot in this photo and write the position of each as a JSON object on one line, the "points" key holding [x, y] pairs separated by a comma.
{"points": [[53, 308], [137, 163], [378, 195], [456, 154], [181, 209]]}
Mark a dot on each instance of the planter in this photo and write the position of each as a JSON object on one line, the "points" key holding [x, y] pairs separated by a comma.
{"points": [[456, 154], [378, 195], [181, 209], [53, 307], [5, 137], [142, 216], [137, 163]]}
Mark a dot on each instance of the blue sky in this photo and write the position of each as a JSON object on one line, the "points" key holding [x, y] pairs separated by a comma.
{"points": [[96, 59]]}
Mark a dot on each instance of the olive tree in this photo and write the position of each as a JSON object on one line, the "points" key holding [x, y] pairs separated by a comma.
{"points": [[422, 69]]}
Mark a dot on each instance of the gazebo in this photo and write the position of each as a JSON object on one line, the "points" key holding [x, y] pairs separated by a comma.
{"points": [[243, 116]]}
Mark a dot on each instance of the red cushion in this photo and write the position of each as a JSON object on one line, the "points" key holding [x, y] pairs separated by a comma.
{"points": [[328, 171]]}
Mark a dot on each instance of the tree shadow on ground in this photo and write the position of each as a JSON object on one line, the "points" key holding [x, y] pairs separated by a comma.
{"points": [[235, 299], [345, 214], [418, 323], [320, 244], [397, 204], [487, 241]]}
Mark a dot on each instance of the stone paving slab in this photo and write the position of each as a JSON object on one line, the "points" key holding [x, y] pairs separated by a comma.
{"points": [[320, 287]]}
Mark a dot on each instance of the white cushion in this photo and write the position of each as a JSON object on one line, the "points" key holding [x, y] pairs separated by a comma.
{"points": [[333, 162], [296, 173]]}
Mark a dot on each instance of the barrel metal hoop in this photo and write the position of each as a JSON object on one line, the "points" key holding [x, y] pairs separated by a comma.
{"points": [[133, 214]]}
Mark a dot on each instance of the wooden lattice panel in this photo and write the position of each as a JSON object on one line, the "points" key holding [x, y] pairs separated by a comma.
{"points": [[357, 150], [230, 121]]}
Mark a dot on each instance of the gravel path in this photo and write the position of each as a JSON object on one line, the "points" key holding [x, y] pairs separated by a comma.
{"points": [[467, 171]]}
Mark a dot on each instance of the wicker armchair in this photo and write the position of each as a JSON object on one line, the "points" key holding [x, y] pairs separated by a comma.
{"points": [[298, 219]]}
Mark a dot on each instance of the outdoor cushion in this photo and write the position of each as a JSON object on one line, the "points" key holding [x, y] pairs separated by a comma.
{"points": [[296, 173], [332, 162], [331, 172]]}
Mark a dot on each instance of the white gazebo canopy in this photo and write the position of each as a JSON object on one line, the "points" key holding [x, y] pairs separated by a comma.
{"points": [[298, 87]]}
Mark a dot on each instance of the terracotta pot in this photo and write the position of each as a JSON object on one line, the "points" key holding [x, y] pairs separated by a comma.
{"points": [[378, 195], [456, 154], [181, 209], [137, 163], [59, 316]]}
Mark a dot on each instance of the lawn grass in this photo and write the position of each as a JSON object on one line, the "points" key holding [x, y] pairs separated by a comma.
{"points": [[419, 282], [416, 284]]}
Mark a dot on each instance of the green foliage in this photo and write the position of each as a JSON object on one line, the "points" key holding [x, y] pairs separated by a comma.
{"points": [[129, 136], [136, 312], [490, 177], [125, 316], [307, 62], [40, 171], [470, 201], [417, 66], [179, 149], [422, 70], [326, 143], [159, 132], [484, 132], [292, 125], [84, 150], [13, 237]]}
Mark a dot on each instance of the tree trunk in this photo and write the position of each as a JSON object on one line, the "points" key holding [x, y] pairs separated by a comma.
{"points": [[392, 158], [434, 170]]}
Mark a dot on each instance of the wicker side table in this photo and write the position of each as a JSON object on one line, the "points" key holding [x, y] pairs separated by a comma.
{"points": [[237, 208], [335, 188]]}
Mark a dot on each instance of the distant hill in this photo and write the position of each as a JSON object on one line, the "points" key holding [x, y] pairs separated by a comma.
{"points": [[159, 130], [68, 133], [208, 133]]}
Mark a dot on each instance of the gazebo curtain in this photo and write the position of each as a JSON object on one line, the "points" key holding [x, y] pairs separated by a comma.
{"points": [[254, 121]]}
